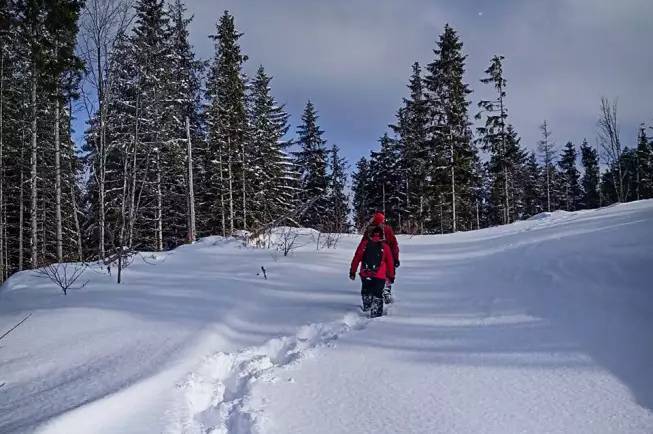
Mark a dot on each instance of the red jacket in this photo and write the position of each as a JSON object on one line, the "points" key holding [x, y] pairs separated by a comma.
{"points": [[388, 236], [386, 269]]}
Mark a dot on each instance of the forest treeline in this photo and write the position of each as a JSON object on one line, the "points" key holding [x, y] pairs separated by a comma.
{"points": [[178, 147]]}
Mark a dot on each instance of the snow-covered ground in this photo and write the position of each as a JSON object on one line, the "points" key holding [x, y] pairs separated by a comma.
{"points": [[539, 326]]}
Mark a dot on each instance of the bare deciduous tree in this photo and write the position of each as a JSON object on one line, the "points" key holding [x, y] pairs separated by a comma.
{"points": [[64, 275], [102, 23], [288, 240], [610, 142]]}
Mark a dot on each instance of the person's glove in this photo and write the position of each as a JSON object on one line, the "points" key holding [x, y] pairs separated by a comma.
{"points": [[392, 280], [397, 263], [352, 276]]}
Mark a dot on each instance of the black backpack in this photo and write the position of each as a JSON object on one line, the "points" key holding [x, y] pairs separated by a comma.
{"points": [[372, 256]]}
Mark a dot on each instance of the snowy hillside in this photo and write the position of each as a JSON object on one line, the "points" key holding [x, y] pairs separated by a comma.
{"points": [[540, 326]]}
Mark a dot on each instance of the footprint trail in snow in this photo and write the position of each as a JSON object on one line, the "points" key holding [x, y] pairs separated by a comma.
{"points": [[217, 393]]}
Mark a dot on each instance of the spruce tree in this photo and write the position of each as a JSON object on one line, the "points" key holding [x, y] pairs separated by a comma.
{"points": [[591, 176], [271, 177], [414, 155], [227, 125], [453, 153], [181, 130], [311, 162], [151, 47], [515, 163], [385, 181], [494, 138], [532, 184], [629, 164], [361, 182], [39, 73], [570, 178], [547, 151], [644, 166], [338, 202]]}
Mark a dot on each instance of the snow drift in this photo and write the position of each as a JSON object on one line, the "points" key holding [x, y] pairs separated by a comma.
{"points": [[539, 326]]}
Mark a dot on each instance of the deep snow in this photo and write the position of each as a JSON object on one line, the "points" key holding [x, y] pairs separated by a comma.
{"points": [[540, 326]]}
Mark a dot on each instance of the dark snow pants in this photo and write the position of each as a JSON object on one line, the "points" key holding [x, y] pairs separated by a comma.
{"points": [[372, 294]]}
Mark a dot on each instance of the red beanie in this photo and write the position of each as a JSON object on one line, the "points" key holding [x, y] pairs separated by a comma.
{"points": [[378, 218]]}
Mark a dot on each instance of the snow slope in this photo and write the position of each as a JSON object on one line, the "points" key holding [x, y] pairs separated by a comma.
{"points": [[540, 326]]}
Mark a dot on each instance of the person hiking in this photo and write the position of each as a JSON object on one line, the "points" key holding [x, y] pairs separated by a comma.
{"points": [[378, 221], [376, 266]]}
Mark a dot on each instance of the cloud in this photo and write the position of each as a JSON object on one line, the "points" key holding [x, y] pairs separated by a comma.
{"points": [[352, 58]]}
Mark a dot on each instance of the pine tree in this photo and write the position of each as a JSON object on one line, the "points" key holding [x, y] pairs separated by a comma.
{"points": [[338, 202], [532, 184], [272, 179], [227, 125], [621, 173], [493, 137], [547, 151], [644, 166], [47, 32], [311, 161], [453, 152], [39, 72], [515, 163], [181, 129], [112, 147], [629, 166], [570, 178], [385, 181], [591, 176], [361, 182], [414, 156]]}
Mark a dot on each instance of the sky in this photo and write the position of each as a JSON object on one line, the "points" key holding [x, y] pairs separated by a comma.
{"points": [[353, 59]]}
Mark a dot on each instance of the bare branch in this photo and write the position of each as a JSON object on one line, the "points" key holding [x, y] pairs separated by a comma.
{"points": [[14, 328], [64, 275]]}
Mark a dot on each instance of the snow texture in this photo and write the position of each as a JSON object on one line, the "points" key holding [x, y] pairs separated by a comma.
{"points": [[539, 326]]}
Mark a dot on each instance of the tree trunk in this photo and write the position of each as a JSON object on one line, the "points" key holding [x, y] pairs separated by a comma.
{"points": [[408, 210], [453, 187], [242, 160], [57, 181], [548, 183], [125, 198], [21, 209], [191, 193], [421, 214], [33, 175], [231, 188], [44, 234], [3, 233], [78, 230], [506, 216], [73, 196], [621, 180], [222, 207], [101, 157], [441, 216], [132, 193], [159, 204]]}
